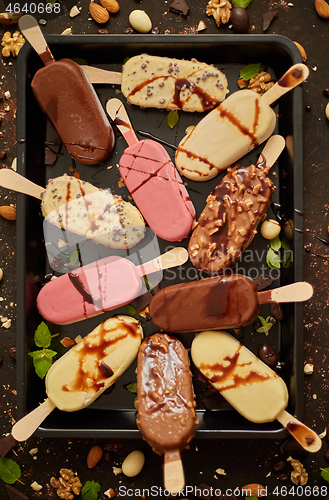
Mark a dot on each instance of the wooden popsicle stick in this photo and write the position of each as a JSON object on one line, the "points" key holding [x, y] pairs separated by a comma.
{"points": [[305, 436], [272, 150], [295, 292], [119, 115], [27, 425], [295, 75], [173, 473], [175, 257], [98, 75], [32, 32], [10, 179]]}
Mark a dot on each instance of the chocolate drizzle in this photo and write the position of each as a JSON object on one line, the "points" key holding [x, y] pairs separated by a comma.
{"points": [[86, 295]]}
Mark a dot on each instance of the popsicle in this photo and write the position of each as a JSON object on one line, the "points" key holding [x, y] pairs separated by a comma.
{"points": [[218, 302], [235, 127], [153, 181], [166, 83], [79, 207], [233, 211], [70, 102], [248, 384], [98, 287], [82, 374], [165, 402]]}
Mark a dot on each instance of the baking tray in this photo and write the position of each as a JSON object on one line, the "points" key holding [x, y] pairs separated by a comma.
{"points": [[113, 414]]}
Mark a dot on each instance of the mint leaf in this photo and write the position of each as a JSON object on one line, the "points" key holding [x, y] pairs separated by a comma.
{"points": [[90, 490], [42, 335], [275, 244], [325, 474], [241, 3], [130, 309], [172, 118], [273, 259], [131, 387], [266, 325], [249, 71], [287, 258], [10, 471], [42, 361], [251, 498]]}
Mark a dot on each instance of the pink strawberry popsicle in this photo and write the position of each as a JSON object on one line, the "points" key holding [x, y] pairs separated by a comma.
{"points": [[153, 181], [98, 287]]}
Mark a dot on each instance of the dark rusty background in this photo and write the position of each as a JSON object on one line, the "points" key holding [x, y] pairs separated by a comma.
{"points": [[247, 461]]}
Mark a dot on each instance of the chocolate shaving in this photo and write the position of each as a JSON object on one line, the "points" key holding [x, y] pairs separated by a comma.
{"points": [[263, 281], [14, 494], [7, 443], [268, 18], [276, 311], [180, 7]]}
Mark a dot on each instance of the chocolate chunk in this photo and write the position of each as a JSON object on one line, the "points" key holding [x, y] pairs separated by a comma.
{"points": [[263, 281], [106, 370], [14, 494], [180, 7], [268, 18], [276, 311], [215, 399], [51, 151], [6, 444]]}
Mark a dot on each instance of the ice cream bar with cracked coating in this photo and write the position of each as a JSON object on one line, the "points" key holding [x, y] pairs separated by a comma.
{"points": [[79, 207], [163, 82], [235, 127], [229, 220], [211, 303], [71, 104], [165, 400], [248, 384], [82, 374]]}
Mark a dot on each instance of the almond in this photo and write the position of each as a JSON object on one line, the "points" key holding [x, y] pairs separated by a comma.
{"points": [[111, 5], [254, 490], [98, 13], [8, 212], [322, 8], [302, 51], [94, 456]]}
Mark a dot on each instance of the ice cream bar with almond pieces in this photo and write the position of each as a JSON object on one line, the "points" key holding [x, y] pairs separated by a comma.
{"points": [[248, 384], [79, 207], [82, 374], [217, 302], [71, 104], [163, 82]]}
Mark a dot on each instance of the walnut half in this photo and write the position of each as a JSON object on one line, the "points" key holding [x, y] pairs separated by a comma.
{"points": [[12, 44], [67, 484], [260, 83], [220, 10], [299, 474]]}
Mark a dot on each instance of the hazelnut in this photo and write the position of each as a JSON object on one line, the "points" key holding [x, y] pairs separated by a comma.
{"points": [[270, 229]]}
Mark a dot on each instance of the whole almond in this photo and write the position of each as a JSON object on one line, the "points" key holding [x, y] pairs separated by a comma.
{"points": [[254, 490], [111, 5], [8, 212], [94, 456], [98, 13], [302, 51], [322, 8]]}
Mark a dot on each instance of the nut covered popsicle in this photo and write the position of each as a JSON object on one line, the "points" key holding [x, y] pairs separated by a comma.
{"points": [[71, 104], [165, 400], [233, 211], [217, 302], [235, 127], [153, 181]]}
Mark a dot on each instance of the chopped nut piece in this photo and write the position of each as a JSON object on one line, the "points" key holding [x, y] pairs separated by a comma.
{"points": [[33, 451], [67, 342], [110, 493], [74, 11], [242, 84], [220, 10], [201, 26], [308, 369], [12, 44], [67, 31], [7, 324], [299, 474], [67, 484], [116, 470], [35, 486], [221, 471]]}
